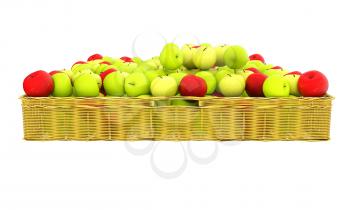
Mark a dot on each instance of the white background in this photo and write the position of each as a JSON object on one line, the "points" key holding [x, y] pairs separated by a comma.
{"points": [[52, 35]]}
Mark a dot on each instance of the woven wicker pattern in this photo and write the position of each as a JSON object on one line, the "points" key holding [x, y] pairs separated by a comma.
{"points": [[113, 118]]}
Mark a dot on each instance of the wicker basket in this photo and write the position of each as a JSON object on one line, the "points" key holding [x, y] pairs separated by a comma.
{"points": [[214, 118]]}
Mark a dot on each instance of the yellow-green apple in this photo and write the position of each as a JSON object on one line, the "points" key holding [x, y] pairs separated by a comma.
{"points": [[178, 76], [105, 73], [204, 57], [293, 78], [232, 85], [221, 73], [62, 85], [210, 80], [220, 51], [113, 84], [164, 86], [137, 60], [127, 67], [136, 84], [188, 51], [270, 72], [81, 67], [98, 80], [245, 74], [276, 86], [69, 73], [192, 85], [86, 86], [313, 84], [257, 57], [235, 57], [171, 57], [254, 84], [38, 84]]}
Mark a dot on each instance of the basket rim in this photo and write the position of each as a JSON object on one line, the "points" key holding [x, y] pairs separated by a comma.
{"points": [[152, 98]]}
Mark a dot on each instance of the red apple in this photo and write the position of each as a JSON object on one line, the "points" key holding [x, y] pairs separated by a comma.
{"points": [[253, 70], [106, 62], [257, 57], [192, 85], [95, 57], [54, 72], [313, 84], [126, 59], [105, 73], [276, 67], [294, 72], [254, 84], [38, 84]]}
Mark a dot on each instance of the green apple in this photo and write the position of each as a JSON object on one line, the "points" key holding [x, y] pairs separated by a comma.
{"points": [[137, 60], [270, 72], [86, 86], [136, 84], [171, 57], [114, 84], [69, 73], [276, 86], [81, 67], [232, 85], [101, 68], [293, 83], [210, 80], [178, 76], [204, 57], [254, 64], [245, 74], [154, 63], [221, 73], [62, 85], [109, 59], [81, 72], [164, 86], [127, 67], [98, 80], [188, 52], [220, 51], [235, 57]]}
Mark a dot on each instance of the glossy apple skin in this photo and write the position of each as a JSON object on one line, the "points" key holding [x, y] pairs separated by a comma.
{"points": [[192, 85], [258, 57], [254, 84], [38, 84], [95, 57], [313, 84]]}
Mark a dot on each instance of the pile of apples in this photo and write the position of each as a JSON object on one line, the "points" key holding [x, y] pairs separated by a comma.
{"points": [[193, 70]]}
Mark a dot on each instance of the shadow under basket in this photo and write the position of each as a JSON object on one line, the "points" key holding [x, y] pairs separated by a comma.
{"points": [[157, 118]]}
